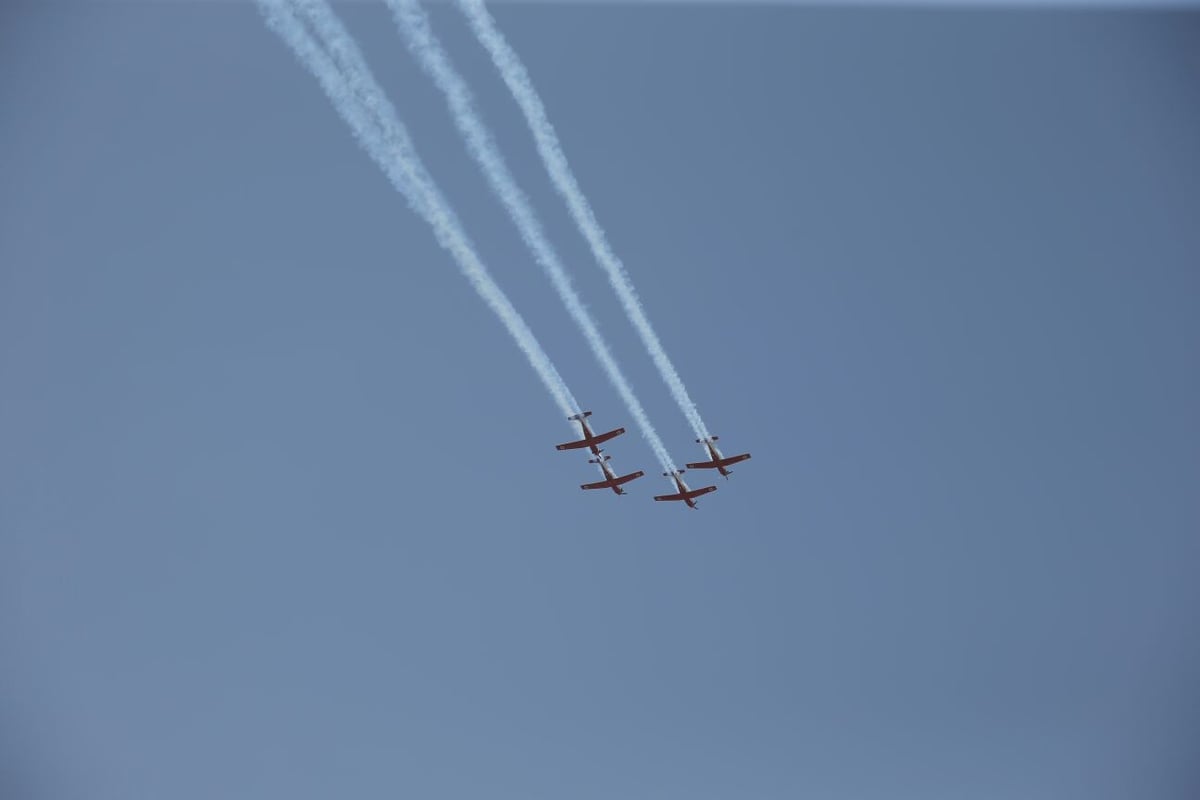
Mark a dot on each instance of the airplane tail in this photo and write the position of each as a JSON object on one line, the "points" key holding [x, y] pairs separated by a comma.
{"points": [[598, 460], [709, 439], [580, 416]]}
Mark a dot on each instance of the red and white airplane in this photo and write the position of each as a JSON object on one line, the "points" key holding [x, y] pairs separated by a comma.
{"points": [[685, 494], [590, 440], [611, 480], [717, 461]]}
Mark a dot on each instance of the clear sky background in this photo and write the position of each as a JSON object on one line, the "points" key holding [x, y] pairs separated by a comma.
{"points": [[280, 513]]}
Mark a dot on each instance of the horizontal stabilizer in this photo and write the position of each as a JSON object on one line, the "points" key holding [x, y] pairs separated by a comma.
{"points": [[580, 416]]}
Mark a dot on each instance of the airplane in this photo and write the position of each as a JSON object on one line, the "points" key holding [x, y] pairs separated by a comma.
{"points": [[685, 494], [590, 440], [718, 461], [611, 481]]}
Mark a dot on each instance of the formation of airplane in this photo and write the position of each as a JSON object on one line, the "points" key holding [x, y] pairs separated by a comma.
{"points": [[592, 441]]}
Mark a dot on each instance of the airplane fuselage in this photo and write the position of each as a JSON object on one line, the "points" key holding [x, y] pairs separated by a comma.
{"points": [[683, 489], [587, 434], [609, 475], [717, 458]]}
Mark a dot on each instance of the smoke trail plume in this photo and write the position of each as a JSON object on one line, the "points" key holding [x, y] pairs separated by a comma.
{"points": [[520, 85], [414, 25], [343, 74]]}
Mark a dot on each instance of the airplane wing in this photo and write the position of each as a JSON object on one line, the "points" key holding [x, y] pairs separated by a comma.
{"points": [[724, 462], [689, 495], [599, 438], [614, 483]]}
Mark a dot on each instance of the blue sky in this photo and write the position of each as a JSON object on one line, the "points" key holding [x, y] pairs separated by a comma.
{"points": [[280, 513]]}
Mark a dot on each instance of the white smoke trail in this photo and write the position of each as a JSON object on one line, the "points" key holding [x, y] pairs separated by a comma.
{"points": [[519, 83], [414, 25], [342, 72]]}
